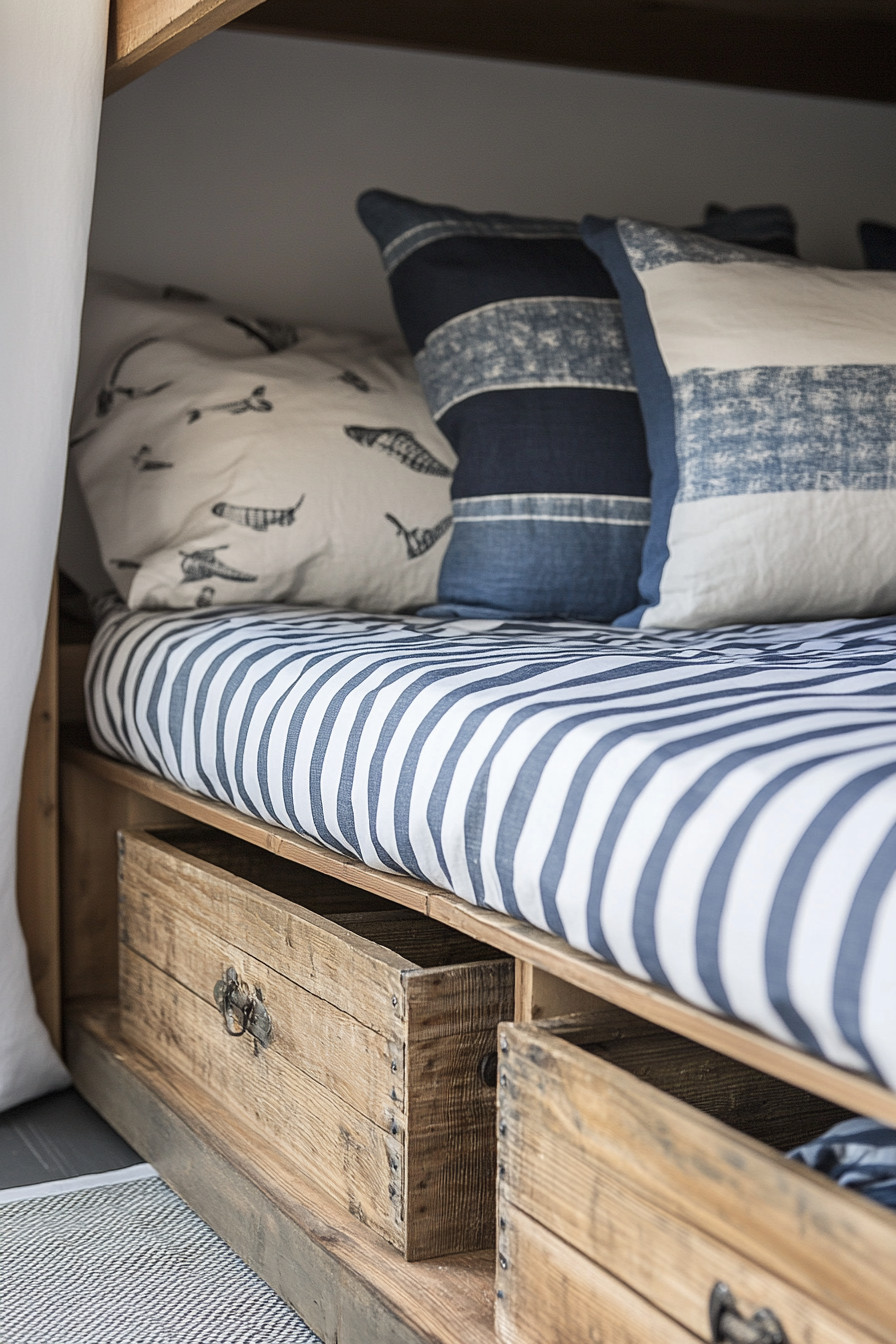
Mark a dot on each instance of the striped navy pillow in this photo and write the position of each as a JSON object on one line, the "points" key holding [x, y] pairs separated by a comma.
{"points": [[518, 340]]}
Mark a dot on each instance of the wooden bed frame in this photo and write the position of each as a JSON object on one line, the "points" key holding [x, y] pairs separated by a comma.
{"points": [[346, 1283]]}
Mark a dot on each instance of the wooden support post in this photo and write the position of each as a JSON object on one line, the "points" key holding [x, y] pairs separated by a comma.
{"points": [[93, 811], [540, 995]]}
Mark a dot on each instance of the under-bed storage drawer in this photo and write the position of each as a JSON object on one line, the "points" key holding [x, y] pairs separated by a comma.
{"points": [[624, 1197], [344, 1030]]}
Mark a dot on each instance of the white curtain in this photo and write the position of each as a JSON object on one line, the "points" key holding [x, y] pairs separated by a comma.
{"points": [[51, 66]]}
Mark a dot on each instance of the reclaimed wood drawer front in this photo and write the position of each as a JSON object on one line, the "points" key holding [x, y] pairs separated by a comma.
{"points": [[619, 1195], [370, 1082]]}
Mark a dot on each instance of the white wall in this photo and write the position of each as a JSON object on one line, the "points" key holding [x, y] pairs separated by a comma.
{"points": [[234, 167]]}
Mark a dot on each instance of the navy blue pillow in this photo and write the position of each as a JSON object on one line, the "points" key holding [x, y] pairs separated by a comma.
{"points": [[878, 245], [518, 339]]}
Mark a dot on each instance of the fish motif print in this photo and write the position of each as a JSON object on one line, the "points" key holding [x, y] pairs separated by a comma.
{"points": [[419, 540], [206, 596], [400, 444], [256, 401], [258, 519], [113, 388], [144, 461], [352, 379], [273, 335], [204, 564]]}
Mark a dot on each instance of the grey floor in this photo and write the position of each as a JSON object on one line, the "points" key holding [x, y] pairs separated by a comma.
{"points": [[57, 1137]]}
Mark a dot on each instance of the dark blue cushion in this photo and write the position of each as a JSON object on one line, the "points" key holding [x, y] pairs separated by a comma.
{"points": [[878, 245], [517, 334]]}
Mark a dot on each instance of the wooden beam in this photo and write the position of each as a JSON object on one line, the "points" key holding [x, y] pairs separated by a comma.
{"points": [[37, 867], [347, 1284], [543, 950], [843, 48], [143, 33]]}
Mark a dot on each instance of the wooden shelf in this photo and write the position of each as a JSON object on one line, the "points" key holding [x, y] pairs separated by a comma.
{"points": [[841, 48], [532, 947], [143, 33], [345, 1282], [836, 48]]}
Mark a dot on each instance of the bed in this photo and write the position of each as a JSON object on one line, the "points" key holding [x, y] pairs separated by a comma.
{"points": [[710, 811]]}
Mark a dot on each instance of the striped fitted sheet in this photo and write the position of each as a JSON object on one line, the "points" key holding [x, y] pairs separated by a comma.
{"points": [[715, 811]]}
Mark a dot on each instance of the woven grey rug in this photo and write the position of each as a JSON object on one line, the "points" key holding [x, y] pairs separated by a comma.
{"points": [[127, 1262]]}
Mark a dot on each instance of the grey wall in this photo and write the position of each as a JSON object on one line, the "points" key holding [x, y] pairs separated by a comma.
{"points": [[234, 167]]}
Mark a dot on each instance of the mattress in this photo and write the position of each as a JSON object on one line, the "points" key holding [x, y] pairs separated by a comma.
{"points": [[714, 812]]}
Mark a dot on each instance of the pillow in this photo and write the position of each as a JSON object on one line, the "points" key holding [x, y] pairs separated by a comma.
{"points": [[769, 395], [519, 344], [225, 458], [878, 245]]}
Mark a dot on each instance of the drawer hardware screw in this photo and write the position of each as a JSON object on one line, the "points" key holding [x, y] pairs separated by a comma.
{"points": [[394, 1066], [394, 1000], [502, 1128], [728, 1326], [502, 1261]]}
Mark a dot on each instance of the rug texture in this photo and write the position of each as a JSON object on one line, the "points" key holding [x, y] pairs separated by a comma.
{"points": [[129, 1263]]}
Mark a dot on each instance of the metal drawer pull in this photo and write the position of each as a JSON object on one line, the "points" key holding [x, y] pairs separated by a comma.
{"points": [[727, 1326], [243, 1009]]}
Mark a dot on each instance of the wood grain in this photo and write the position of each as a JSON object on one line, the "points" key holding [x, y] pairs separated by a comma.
{"points": [[544, 950], [664, 1259], [37, 861], [343, 1280], [338, 1148], [452, 1018], [550, 1293], [387, 1040], [539, 995], [143, 33], [579, 1118], [93, 809], [332, 963], [332, 1047], [831, 47]]}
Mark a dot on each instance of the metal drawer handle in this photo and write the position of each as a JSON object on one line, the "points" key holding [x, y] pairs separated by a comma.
{"points": [[727, 1326], [243, 1009]]}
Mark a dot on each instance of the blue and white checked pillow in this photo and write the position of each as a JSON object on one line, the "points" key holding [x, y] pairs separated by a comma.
{"points": [[769, 397]]}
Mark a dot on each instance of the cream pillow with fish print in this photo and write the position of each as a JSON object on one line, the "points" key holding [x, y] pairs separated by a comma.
{"points": [[226, 458]]}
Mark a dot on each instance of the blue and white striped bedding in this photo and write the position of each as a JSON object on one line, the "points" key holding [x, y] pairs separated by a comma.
{"points": [[715, 812]]}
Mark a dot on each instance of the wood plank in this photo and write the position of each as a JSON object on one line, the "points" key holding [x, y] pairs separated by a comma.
{"points": [[571, 1114], [664, 1259], [335, 1146], [336, 1050], [452, 1019], [355, 976], [544, 950], [832, 47], [143, 33], [345, 1282], [37, 858], [549, 1293]]}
